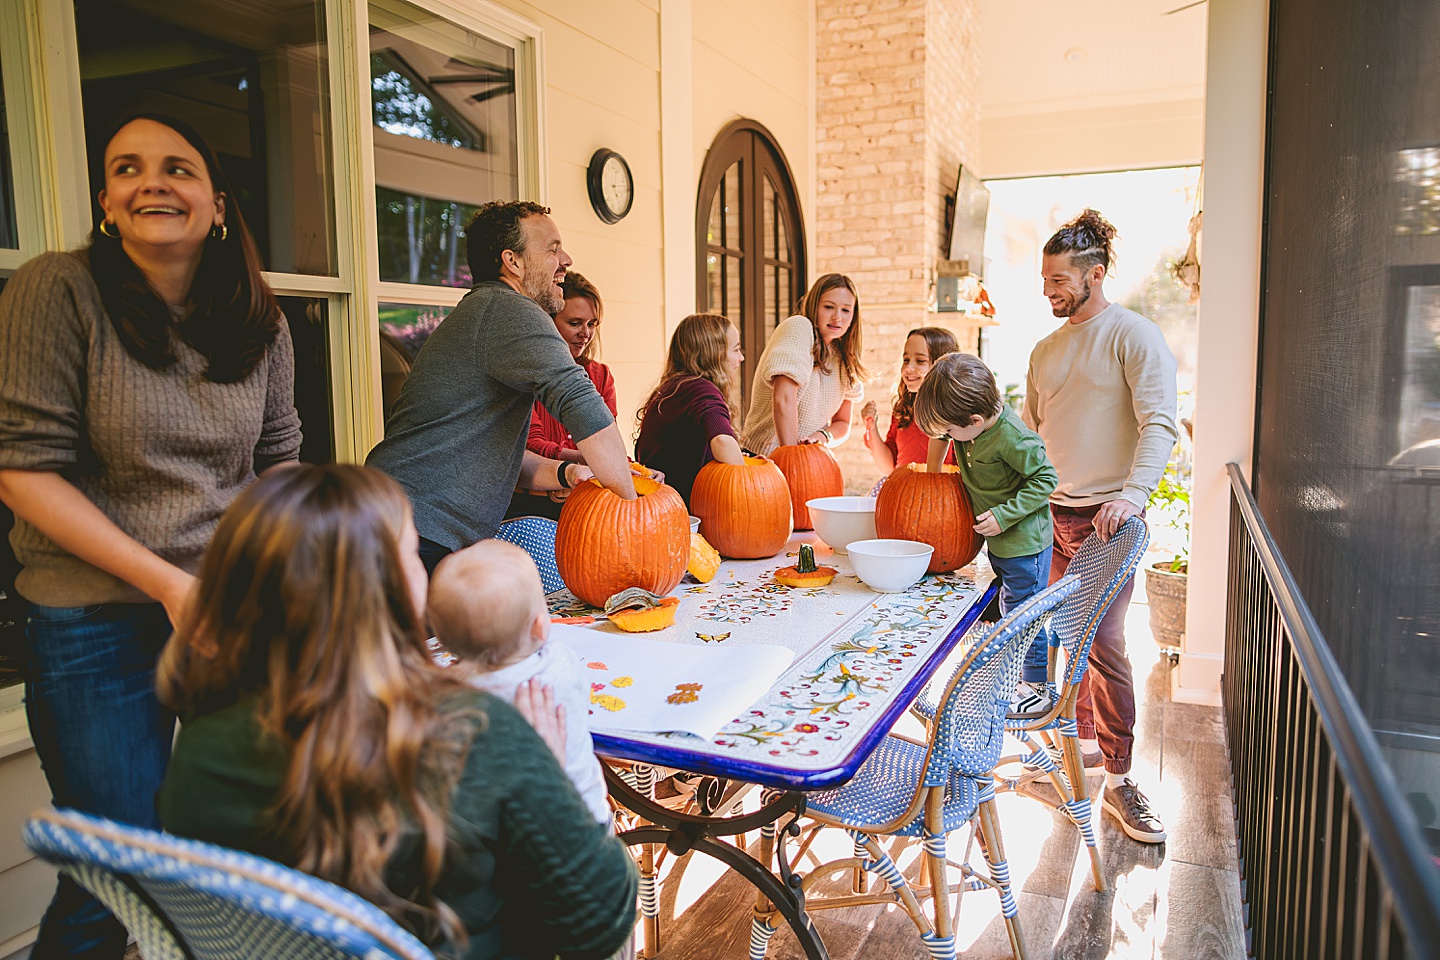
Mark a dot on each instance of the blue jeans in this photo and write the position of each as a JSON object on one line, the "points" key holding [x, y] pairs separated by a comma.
{"points": [[1020, 579], [103, 739]]}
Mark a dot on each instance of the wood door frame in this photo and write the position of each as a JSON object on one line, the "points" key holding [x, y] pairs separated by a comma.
{"points": [[755, 147]]}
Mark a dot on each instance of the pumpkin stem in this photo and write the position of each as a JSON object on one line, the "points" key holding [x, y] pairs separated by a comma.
{"points": [[807, 559]]}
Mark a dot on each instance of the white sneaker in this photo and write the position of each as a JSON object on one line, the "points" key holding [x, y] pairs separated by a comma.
{"points": [[1031, 700]]}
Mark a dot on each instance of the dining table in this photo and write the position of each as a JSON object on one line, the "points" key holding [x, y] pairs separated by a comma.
{"points": [[859, 659]]}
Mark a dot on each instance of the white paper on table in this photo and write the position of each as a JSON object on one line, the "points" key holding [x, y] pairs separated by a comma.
{"points": [[654, 686]]}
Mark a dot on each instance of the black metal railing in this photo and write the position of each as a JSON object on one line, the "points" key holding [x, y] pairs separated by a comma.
{"points": [[1332, 863]]}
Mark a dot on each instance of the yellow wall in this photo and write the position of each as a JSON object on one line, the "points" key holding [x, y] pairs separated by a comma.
{"points": [[604, 83]]}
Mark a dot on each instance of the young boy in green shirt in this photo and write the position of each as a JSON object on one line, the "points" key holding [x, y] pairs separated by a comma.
{"points": [[1010, 479]]}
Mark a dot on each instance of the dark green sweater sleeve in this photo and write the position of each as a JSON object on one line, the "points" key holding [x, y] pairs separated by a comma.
{"points": [[568, 886]]}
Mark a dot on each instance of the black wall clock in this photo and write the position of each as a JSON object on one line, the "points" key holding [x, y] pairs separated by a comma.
{"points": [[612, 188]]}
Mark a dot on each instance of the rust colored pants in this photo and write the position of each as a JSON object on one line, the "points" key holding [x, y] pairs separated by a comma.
{"points": [[1105, 708]]}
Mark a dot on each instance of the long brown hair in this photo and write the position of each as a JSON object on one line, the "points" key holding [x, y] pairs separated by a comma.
{"points": [[575, 285], [697, 349], [847, 349], [303, 604], [938, 341], [235, 316]]}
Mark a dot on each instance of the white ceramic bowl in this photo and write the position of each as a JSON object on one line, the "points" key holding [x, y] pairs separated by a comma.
{"points": [[694, 524], [842, 520], [889, 566]]}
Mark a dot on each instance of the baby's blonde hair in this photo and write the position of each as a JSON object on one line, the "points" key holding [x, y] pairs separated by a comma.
{"points": [[483, 600]]}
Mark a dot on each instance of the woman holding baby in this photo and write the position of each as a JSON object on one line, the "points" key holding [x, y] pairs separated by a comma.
{"points": [[318, 732]]}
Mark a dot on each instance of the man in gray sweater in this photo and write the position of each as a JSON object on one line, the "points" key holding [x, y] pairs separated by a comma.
{"points": [[455, 439]]}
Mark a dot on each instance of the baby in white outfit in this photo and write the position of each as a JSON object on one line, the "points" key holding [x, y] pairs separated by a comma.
{"points": [[487, 608]]}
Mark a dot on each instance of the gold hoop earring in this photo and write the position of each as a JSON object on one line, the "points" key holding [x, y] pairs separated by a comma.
{"points": [[223, 234], [111, 225]]}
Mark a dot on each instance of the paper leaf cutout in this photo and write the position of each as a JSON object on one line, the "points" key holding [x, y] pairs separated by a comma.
{"points": [[622, 681], [685, 693], [596, 665], [607, 702]]}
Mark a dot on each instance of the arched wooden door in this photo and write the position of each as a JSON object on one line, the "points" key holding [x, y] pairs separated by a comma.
{"points": [[749, 237]]}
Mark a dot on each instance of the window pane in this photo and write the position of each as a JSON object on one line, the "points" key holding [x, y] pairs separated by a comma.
{"points": [[772, 300], [252, 78], [446, 139], [9, 233], [714, 232], [734, 289], [784, 302], [404, 328], [309, 319], [730, 191], [768, 223], [715, 299], [1420, 394]]}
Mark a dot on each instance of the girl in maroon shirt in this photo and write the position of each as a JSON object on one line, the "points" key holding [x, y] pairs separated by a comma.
{"points": [[686, 422], [906, 443]]}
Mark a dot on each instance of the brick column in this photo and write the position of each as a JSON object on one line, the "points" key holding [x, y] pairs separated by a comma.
{"points": [[897, 111]]}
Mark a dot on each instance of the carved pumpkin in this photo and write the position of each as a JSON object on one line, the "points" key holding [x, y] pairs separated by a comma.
{"points": [[704, 559], [605, 544], [932, 508], [811, 471], [744, 509]]}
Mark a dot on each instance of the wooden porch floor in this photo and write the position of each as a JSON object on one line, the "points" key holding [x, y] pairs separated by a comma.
{"points": [[1179, 900]]}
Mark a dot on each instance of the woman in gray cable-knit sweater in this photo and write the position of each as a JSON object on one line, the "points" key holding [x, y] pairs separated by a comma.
{"points": [[144, 381]]}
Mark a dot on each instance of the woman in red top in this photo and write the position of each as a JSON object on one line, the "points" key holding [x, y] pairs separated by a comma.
{"points": [[906, 443], [578, 323]]}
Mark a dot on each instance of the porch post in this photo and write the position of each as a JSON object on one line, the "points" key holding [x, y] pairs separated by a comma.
{"points": [[1226, 370]]}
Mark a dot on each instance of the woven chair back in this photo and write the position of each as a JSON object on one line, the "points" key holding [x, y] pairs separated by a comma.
{"points": [[1103, 569], [969, 728], [187, 900], [536, 536]]}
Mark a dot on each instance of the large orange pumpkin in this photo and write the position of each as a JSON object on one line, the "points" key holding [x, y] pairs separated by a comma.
{"points": [[811, 471], [605, 544], [744, 509], [932, 508]]}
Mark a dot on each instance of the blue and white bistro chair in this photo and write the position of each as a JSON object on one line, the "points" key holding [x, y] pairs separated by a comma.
{"points": [[187, 900], [924, 791], [536, 536], [1053, 740]]}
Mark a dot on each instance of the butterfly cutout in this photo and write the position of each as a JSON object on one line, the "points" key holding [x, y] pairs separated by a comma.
{"points": [[713, 637]]}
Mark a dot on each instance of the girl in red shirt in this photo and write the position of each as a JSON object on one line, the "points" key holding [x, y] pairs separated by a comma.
{"points": [[906, 443]]}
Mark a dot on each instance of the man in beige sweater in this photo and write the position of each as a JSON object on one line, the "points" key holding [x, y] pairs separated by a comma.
{"points": [[1101, 393]]}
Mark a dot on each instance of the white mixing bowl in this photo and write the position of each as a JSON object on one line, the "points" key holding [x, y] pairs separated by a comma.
{"points": [[841, 520], [694, 524], [890, 566]]}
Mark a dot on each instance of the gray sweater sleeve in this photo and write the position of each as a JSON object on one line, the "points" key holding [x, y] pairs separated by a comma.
{"points": [[280, 432], [44, 325], [528, 355], [1150, 371]]}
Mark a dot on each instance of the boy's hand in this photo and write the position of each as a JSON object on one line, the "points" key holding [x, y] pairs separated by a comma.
{"points": [[986, 525]]}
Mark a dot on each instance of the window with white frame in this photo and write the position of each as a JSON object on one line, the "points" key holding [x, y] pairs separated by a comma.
{"points": [[358, 138]]}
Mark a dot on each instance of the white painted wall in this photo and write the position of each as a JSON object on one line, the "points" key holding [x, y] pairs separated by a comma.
{"points": [[1229, 323]]}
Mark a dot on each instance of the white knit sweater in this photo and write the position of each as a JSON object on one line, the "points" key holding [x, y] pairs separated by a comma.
{"points": [[790, 353]]}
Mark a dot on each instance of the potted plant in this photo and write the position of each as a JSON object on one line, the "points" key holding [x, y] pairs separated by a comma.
{"points": [[1165, 580]]}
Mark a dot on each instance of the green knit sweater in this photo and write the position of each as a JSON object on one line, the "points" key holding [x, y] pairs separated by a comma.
{"points": [[529, 871]]}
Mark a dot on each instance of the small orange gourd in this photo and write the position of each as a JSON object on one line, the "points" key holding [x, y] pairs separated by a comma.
{"points": [[605, 544], [811, 471], [704, 559], [744, 508], [932, 508]]}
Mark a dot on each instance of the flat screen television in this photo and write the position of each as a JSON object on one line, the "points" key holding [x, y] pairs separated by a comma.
{"points": [[967, 223]]}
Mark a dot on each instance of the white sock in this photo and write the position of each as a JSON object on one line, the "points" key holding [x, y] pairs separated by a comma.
{"points": [[1089, 744], [1115, 781]]}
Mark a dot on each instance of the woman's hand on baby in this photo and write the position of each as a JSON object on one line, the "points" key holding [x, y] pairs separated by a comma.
{"points": [[536, 703]]}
